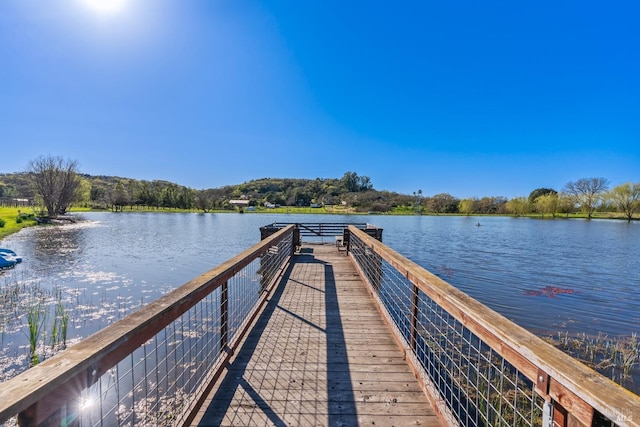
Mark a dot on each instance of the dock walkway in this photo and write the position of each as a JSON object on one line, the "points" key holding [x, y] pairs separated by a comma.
{"points": [[320, 354]]}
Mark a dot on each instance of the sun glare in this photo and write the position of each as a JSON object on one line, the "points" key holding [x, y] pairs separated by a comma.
{"points": [[105, 7]]}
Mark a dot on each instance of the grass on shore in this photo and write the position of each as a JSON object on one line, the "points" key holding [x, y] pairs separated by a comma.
{"points": [[15, 219]]}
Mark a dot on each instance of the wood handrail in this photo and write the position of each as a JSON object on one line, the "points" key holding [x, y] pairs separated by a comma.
{"points": [[87, 360], [578, 388]]}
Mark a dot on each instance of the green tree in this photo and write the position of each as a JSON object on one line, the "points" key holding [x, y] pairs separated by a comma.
{"points": [[417, 205], [546, 203], [185, 198], [118, 197], [170, 196], [364, 183], [443, 203], [587, 193], [467, 206], [56, 182], [97, 194], [626, 198], [491, 205], [518, 206], [144, 193], [540, 192], [566, 204], [350, 182]]}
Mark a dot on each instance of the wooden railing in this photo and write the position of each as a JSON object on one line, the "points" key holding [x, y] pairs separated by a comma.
{"points": [[155, 365], [313, 231], [479, 367]]}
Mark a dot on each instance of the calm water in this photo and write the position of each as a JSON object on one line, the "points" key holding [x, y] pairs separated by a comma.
{"points": [[546, 275]]}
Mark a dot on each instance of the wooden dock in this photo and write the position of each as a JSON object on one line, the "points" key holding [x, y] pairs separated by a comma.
{"points": [[320, 354]]}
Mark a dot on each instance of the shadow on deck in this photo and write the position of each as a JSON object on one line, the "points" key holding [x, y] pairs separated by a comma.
{"points": [[307, 362]]}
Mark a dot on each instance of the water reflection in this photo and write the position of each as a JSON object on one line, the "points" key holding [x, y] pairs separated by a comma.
{"points": [[57, 244]]}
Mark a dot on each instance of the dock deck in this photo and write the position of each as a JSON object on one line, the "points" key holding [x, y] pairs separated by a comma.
{"points": [[320, 354]]}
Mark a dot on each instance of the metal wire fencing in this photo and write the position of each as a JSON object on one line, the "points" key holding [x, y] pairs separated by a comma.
{"points": [[478, 386], [159, 382]]}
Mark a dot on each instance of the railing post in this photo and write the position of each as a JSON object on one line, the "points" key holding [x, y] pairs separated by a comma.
{"points": [[346, 237], [559, 415], [415, 301], [58, 407], [224, 315], [296, 238]]}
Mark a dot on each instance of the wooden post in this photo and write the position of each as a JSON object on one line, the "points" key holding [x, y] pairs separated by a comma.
{"points": [[415, 301], [267, 231], [559, 415], [346, 234], [51, 412], [224, 315], [296, 238]]}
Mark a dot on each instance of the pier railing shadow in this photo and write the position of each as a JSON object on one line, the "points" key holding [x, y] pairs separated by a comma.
{"points": [[340, 399], [234, 377]]}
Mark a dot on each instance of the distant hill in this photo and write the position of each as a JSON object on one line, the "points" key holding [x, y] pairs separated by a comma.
{"points": [[117, 193]]}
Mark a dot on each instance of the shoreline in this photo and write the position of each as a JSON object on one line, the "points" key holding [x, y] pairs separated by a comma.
{"points": [[13, 225]]}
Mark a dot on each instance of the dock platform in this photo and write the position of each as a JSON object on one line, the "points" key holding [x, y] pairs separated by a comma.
{"points": [[319, 354]]}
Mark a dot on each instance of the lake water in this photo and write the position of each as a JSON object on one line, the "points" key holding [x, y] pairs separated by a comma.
{"points": [[546, 275]]}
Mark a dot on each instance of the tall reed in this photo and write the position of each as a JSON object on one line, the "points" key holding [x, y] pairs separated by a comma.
{"points": [[62, 316], [36, 318]]}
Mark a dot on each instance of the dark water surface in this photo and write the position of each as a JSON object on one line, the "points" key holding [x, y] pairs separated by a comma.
{"points": [[546, 275]]}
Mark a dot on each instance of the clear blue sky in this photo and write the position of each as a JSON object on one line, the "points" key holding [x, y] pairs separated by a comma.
{"points": [[491, 98]]}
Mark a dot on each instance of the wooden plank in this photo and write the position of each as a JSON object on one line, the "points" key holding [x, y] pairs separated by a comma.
{"points": [[319, 355]]}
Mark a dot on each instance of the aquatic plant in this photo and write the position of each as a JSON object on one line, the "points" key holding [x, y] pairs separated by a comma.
{"points": [[36, 318], [630, 354], [63, 314], [41, 316], [617, 357], [60, 324]]}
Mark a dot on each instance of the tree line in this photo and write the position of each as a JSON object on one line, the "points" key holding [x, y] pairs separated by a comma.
{"points": [[55, 184]]}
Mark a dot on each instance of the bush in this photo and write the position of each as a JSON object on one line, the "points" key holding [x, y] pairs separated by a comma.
{"points": [[2, 222], [18, 219]]}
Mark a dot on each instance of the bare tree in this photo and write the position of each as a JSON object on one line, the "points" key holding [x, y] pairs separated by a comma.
{"points": [[587, 192], [626, 198], [203, 201], [56, 182]]}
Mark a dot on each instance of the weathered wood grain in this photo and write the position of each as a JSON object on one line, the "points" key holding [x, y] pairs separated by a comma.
{"points": [[320, 354]]}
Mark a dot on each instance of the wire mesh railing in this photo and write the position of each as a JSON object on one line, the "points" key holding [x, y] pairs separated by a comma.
{"points": [[479, 368], [318, 232], [154, 366]]}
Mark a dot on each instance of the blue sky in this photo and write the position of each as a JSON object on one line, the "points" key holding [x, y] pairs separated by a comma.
{"points": [[471, 98]]}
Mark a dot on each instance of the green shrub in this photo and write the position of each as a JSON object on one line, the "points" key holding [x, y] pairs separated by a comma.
{"points": [[19, 219], [2, 222]]}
